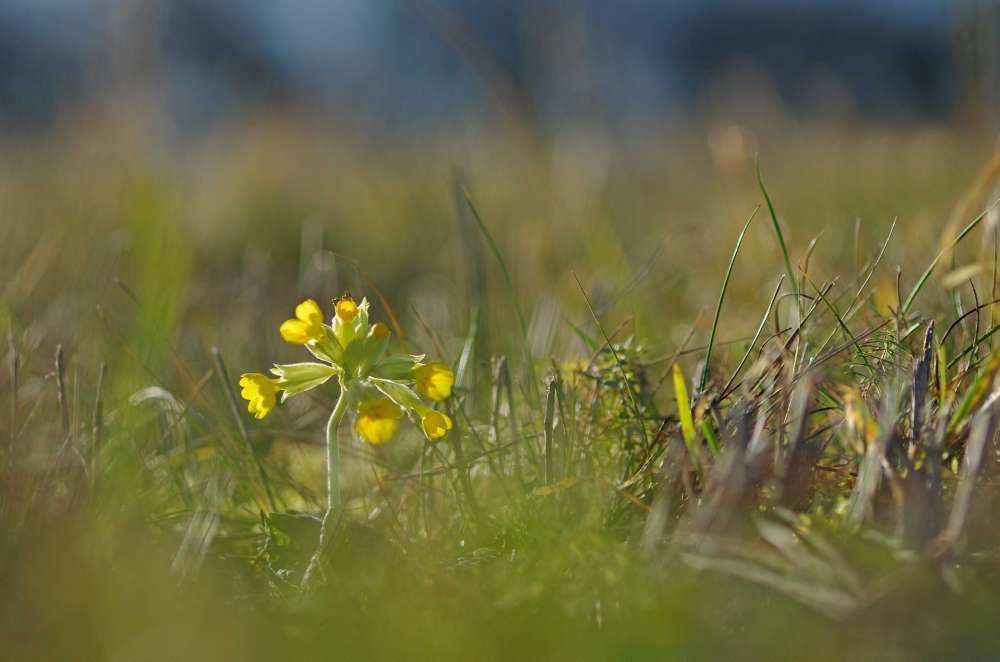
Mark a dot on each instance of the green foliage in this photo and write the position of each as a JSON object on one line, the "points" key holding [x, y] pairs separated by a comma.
{"points": [[825, 493]]}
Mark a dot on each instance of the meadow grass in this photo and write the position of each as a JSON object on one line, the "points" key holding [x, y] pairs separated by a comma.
{"points": [[677, 433]]}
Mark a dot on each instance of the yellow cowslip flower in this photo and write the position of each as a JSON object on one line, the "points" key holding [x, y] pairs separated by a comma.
{"points": [[347, 309], [308, 325], [378, 420], [260, 390], [434, 380], [380, 331], [434, 423]]}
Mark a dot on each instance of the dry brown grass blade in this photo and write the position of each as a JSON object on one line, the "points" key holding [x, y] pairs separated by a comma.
{"points": [[548, 428], [430, 335], [378, 293], [61, 392], [979, 439], [125, 348], [159, 331], [680, 350], [97, 423], [988, 176], [12, 349]]}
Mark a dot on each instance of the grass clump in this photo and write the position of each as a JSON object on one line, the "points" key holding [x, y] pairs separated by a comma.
{"points": [[815, 481]]}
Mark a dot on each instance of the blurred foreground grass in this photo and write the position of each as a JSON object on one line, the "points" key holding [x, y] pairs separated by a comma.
{"points": [[135, 526]]}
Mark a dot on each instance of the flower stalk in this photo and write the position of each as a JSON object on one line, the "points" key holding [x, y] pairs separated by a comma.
{"points": [[381, 390], [333, 451]]}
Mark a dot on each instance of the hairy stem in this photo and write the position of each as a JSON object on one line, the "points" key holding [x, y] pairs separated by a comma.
{"points": [[332, 487], [333, 451]]}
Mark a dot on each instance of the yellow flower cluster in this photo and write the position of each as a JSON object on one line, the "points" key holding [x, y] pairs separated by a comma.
{"points": [[353, 349]]}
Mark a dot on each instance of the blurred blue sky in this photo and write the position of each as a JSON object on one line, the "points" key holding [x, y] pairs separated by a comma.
{"points": [[422, 61]]}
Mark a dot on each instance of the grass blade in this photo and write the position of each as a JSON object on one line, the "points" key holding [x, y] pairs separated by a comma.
{"points": [[96, 423], [756, 336], [590, 342], [61, 390], [843, 326], [628, 386], [517, 306], [617, 296], [718, 309], [224, 376], [777, 228], [385, 304], [710, 436], [684, 414], [548, 425], [976, 393], [927, 274], [12, 349]]}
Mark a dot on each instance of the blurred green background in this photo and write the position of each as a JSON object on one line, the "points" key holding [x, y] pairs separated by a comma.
{"points": [[164, 192]]}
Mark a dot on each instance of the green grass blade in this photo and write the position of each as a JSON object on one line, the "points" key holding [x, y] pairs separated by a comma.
{"points": [[684, 414], [231, 397], [927, 274], [590, 342], [756, 336], [718, 309], [710, 437], [777, 228], [510, 287], [843, 325], [628, 386], [976, 392], [983, 338]]}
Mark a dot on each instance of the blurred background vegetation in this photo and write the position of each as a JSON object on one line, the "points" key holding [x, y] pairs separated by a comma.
{"points": [[176, 175]]}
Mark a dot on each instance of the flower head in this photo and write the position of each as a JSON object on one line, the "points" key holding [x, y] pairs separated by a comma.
{"points": [[347, 309], [435, 424], [307, 326], [379, 388], [378, 420], [433, 380], [260, 390]]}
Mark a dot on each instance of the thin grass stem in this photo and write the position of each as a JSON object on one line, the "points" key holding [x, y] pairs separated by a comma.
{"points": [[718, 308], [533, 390]]}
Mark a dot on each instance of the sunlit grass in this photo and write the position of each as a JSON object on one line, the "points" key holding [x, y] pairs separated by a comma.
{"points": [[803, 504]]}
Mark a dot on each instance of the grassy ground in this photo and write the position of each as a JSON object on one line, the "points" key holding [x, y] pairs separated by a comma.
{"points": [[830, 499]]}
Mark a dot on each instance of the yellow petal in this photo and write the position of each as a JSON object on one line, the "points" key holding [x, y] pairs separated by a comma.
{"points": [[434, 380], [347, 309], [378, 420], [435, 424], [309, 312], [380, 331], [295, 332], [307, 326], [260, 391]]}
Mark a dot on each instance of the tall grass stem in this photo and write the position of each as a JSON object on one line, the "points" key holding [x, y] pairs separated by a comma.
{"points": [[224, 376], [718, 308], [513, 294], [774, 222]]}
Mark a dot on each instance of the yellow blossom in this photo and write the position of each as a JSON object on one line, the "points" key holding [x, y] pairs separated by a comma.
{"points": [[307, 326], [378, 420], [380, 331], [434, 380], [347, 309], [434, 423], [260, 390]]}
